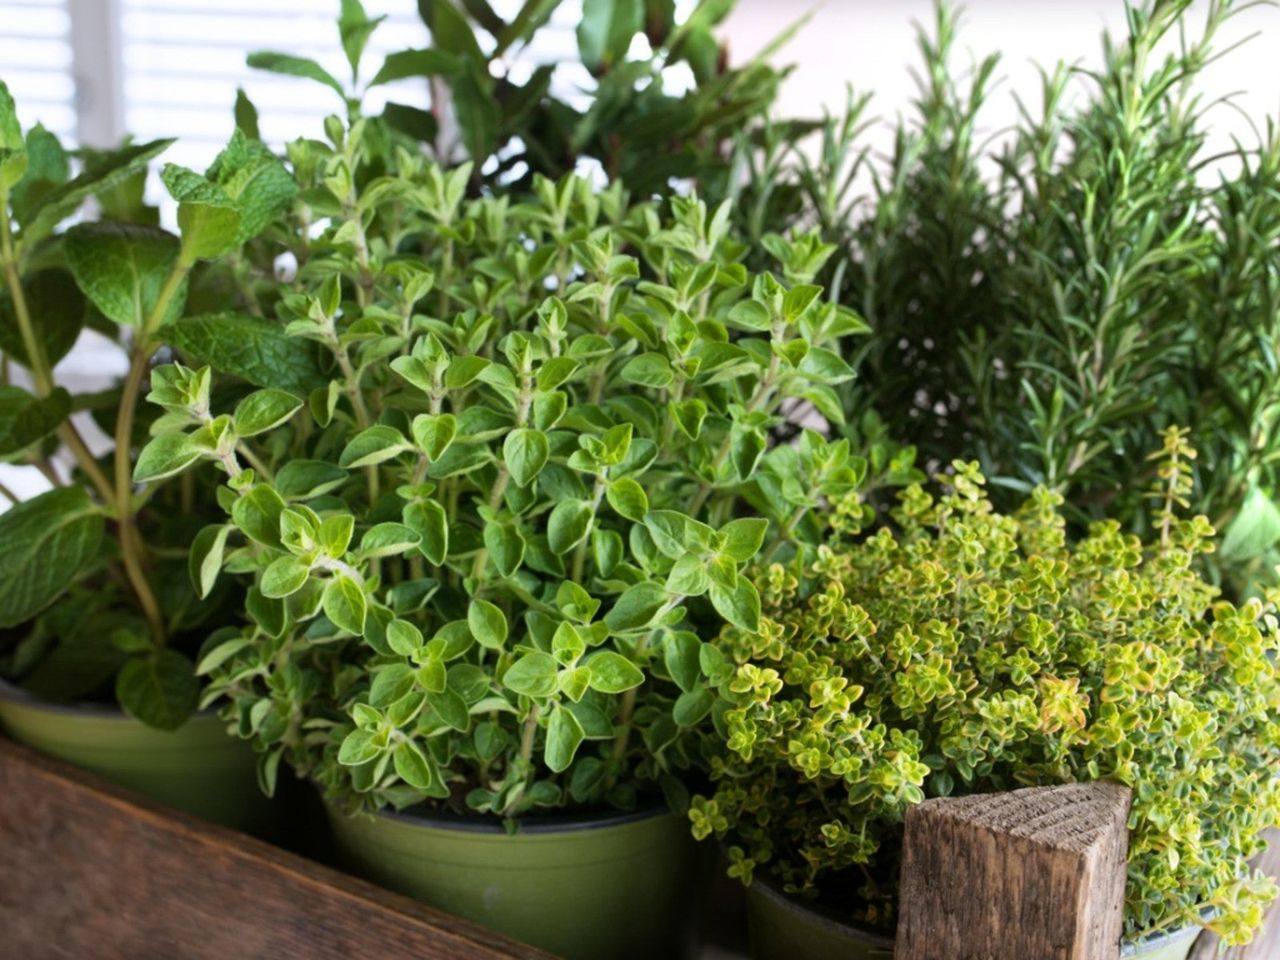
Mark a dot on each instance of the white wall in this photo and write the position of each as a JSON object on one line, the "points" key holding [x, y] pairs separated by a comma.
{"points": [[871, 44]]}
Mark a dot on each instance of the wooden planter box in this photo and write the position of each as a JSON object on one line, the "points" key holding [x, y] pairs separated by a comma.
{"points": [[89, 870]]}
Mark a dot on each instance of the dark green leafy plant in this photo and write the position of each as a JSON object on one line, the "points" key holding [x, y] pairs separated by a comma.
{"points": [[93, 579], [504, 116], [484, 550], [965, 651]]}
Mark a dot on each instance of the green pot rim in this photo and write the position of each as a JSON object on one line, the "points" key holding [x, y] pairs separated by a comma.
{"points": [[12, 693], [543, 824], [15, 694], [818, 916]]}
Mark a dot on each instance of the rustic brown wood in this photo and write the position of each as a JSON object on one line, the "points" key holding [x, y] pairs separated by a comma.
{"points": [[88, 870], [1266, 942], [1036, 873]]}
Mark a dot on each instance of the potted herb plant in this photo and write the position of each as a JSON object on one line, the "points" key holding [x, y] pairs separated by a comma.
{"points": [[961, 650], [98, 618], [483, 559]]}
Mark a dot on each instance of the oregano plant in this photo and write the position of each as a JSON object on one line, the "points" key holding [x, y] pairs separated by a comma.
{"points": [[485, 550], [93, 589]]}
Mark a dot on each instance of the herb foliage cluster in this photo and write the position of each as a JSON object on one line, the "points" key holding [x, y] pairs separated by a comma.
{"points": [[964, 650]]}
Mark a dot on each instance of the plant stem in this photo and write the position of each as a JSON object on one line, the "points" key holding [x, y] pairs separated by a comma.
{"points": [[525, 761], [580, 554], [757, 401], [131, 547], [627, 708], [260, 468], [357, 404], [38, 364], [495, 499], [8, 494]]}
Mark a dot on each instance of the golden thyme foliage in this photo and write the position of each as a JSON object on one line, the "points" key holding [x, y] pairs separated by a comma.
{"points": [[966, 651]]}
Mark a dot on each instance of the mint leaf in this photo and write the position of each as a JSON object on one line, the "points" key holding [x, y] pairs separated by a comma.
{"points": [[292, 66], [122, 268], [255, 349], [25, 418], [47, 541], [160, 689]]}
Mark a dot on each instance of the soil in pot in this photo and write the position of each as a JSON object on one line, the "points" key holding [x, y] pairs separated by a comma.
{"points": [[197, 768], [617, 887]]}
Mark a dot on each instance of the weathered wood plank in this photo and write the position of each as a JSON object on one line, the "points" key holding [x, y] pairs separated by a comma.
{"points": [[89, 870], [1266, 942], [1037, 873]]}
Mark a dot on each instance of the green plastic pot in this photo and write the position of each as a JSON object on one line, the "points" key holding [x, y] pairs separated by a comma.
{"points": [[197, 768], [614, 887], [782, 929]]}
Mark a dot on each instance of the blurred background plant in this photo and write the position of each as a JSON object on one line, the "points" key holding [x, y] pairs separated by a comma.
{"points": [[632, 124], [1051, 299]]}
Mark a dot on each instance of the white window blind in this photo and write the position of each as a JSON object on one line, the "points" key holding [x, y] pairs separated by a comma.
{"points": [[184, 59], [36, 63]]}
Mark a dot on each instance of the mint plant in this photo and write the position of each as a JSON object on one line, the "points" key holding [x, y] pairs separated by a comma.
{"points": [[962, 650], [483, 551], [92, 580]]}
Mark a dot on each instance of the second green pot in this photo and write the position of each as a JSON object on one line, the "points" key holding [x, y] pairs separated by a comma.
{"points": [[618, 887], [197, 768], [782, 929]]}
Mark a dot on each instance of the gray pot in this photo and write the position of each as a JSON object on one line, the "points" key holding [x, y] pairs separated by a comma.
{"points": [[783, 929], [1172, 945]]}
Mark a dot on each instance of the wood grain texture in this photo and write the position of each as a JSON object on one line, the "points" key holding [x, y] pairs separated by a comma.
{"points": [[91, 872], [1035, 873], [1266, 942]]}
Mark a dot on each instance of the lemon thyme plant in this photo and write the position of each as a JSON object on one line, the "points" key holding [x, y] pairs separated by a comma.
{"points": [[93, 584], [484, 551], [962, 650]]}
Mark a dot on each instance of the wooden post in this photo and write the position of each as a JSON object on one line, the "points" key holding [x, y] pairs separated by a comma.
{"points": [[90, 870], [1035, 873]]}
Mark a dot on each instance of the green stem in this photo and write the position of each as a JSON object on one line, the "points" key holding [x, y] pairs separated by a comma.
{"points": [[357, 404], [259, 467], [130, 546], [8, 494], [495, 500], [524, 763], [38, 363], [785, 534], [580, 554], [627, 708], [446, 277], [757, 401]]}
